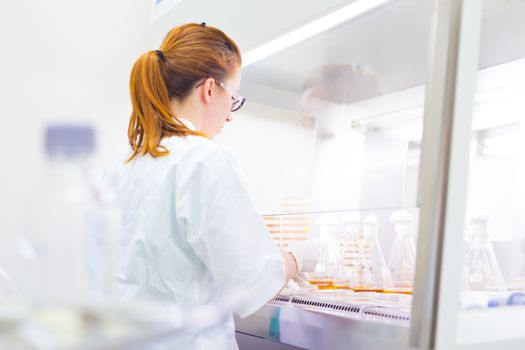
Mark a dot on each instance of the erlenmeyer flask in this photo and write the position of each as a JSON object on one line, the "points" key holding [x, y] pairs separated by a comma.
{"points": [[349, 252], [403, 254], [481, 270], [326, 269], [372, 272]]}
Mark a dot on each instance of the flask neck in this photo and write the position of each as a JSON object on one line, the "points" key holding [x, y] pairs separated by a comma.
{"points": [[352, 231], [370, 232], [326, 232], [479, 230], [403, 230]]}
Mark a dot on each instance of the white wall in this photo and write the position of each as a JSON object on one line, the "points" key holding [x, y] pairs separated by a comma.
{"points": [[61, 60]]}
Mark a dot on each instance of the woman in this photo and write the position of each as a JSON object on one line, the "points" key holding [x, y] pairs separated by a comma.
{"points": [[191, 233]]}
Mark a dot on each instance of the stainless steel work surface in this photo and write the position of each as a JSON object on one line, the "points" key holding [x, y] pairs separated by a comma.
{"points": [[327, 326]]}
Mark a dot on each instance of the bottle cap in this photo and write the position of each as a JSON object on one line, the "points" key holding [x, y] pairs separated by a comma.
{"points": [[69, 139], [401, 216], [493, 303], [402, 221], [516, 298], [352, 222], [477, 223], [370, 226]]}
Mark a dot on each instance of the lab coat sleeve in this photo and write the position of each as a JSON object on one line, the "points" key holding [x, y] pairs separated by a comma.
{"points": [[230, 237]]}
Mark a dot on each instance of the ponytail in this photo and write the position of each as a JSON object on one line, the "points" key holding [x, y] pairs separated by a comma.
{"points": [[151, 119]]}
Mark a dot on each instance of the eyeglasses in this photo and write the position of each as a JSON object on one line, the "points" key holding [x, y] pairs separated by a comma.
{"points": [[237, 100]]}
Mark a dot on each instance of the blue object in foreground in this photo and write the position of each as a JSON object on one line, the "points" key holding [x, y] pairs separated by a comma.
{"points": [[516, 298]]}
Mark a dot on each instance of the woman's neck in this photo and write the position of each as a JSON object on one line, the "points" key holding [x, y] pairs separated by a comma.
{"points": [[187, 110]]}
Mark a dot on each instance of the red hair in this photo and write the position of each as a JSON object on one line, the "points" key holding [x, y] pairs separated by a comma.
{"points": [[188, 55]]}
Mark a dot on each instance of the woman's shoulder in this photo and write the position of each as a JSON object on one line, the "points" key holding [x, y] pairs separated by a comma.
{"points": [[197, 146]]}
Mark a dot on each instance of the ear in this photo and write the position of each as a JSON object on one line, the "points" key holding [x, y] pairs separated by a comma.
{"points": [[208, 90]]}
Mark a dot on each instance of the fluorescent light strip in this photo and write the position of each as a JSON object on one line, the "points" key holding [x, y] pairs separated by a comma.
{"points": [[320, 25]]}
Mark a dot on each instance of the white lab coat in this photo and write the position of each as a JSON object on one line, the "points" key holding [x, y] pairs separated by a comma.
{"points": [[192, 235]]}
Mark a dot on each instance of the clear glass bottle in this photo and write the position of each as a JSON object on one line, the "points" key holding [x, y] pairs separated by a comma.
{"points": [[403, 253], [481, 271], [68, 239]]}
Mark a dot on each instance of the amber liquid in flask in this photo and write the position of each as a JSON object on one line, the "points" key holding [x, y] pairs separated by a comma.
{"points": [[373, 274], [403, 254], [326, 269], [348, 255]]}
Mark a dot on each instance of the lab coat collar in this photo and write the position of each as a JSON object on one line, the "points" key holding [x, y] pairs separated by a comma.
{"points": [[188, 124]]}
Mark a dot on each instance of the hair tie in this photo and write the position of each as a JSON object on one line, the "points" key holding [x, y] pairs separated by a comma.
{"points": [[203, 24], [160, 54]]}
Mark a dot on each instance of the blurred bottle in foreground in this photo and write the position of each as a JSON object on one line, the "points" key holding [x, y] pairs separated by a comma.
{"points": [[69, 235]]}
